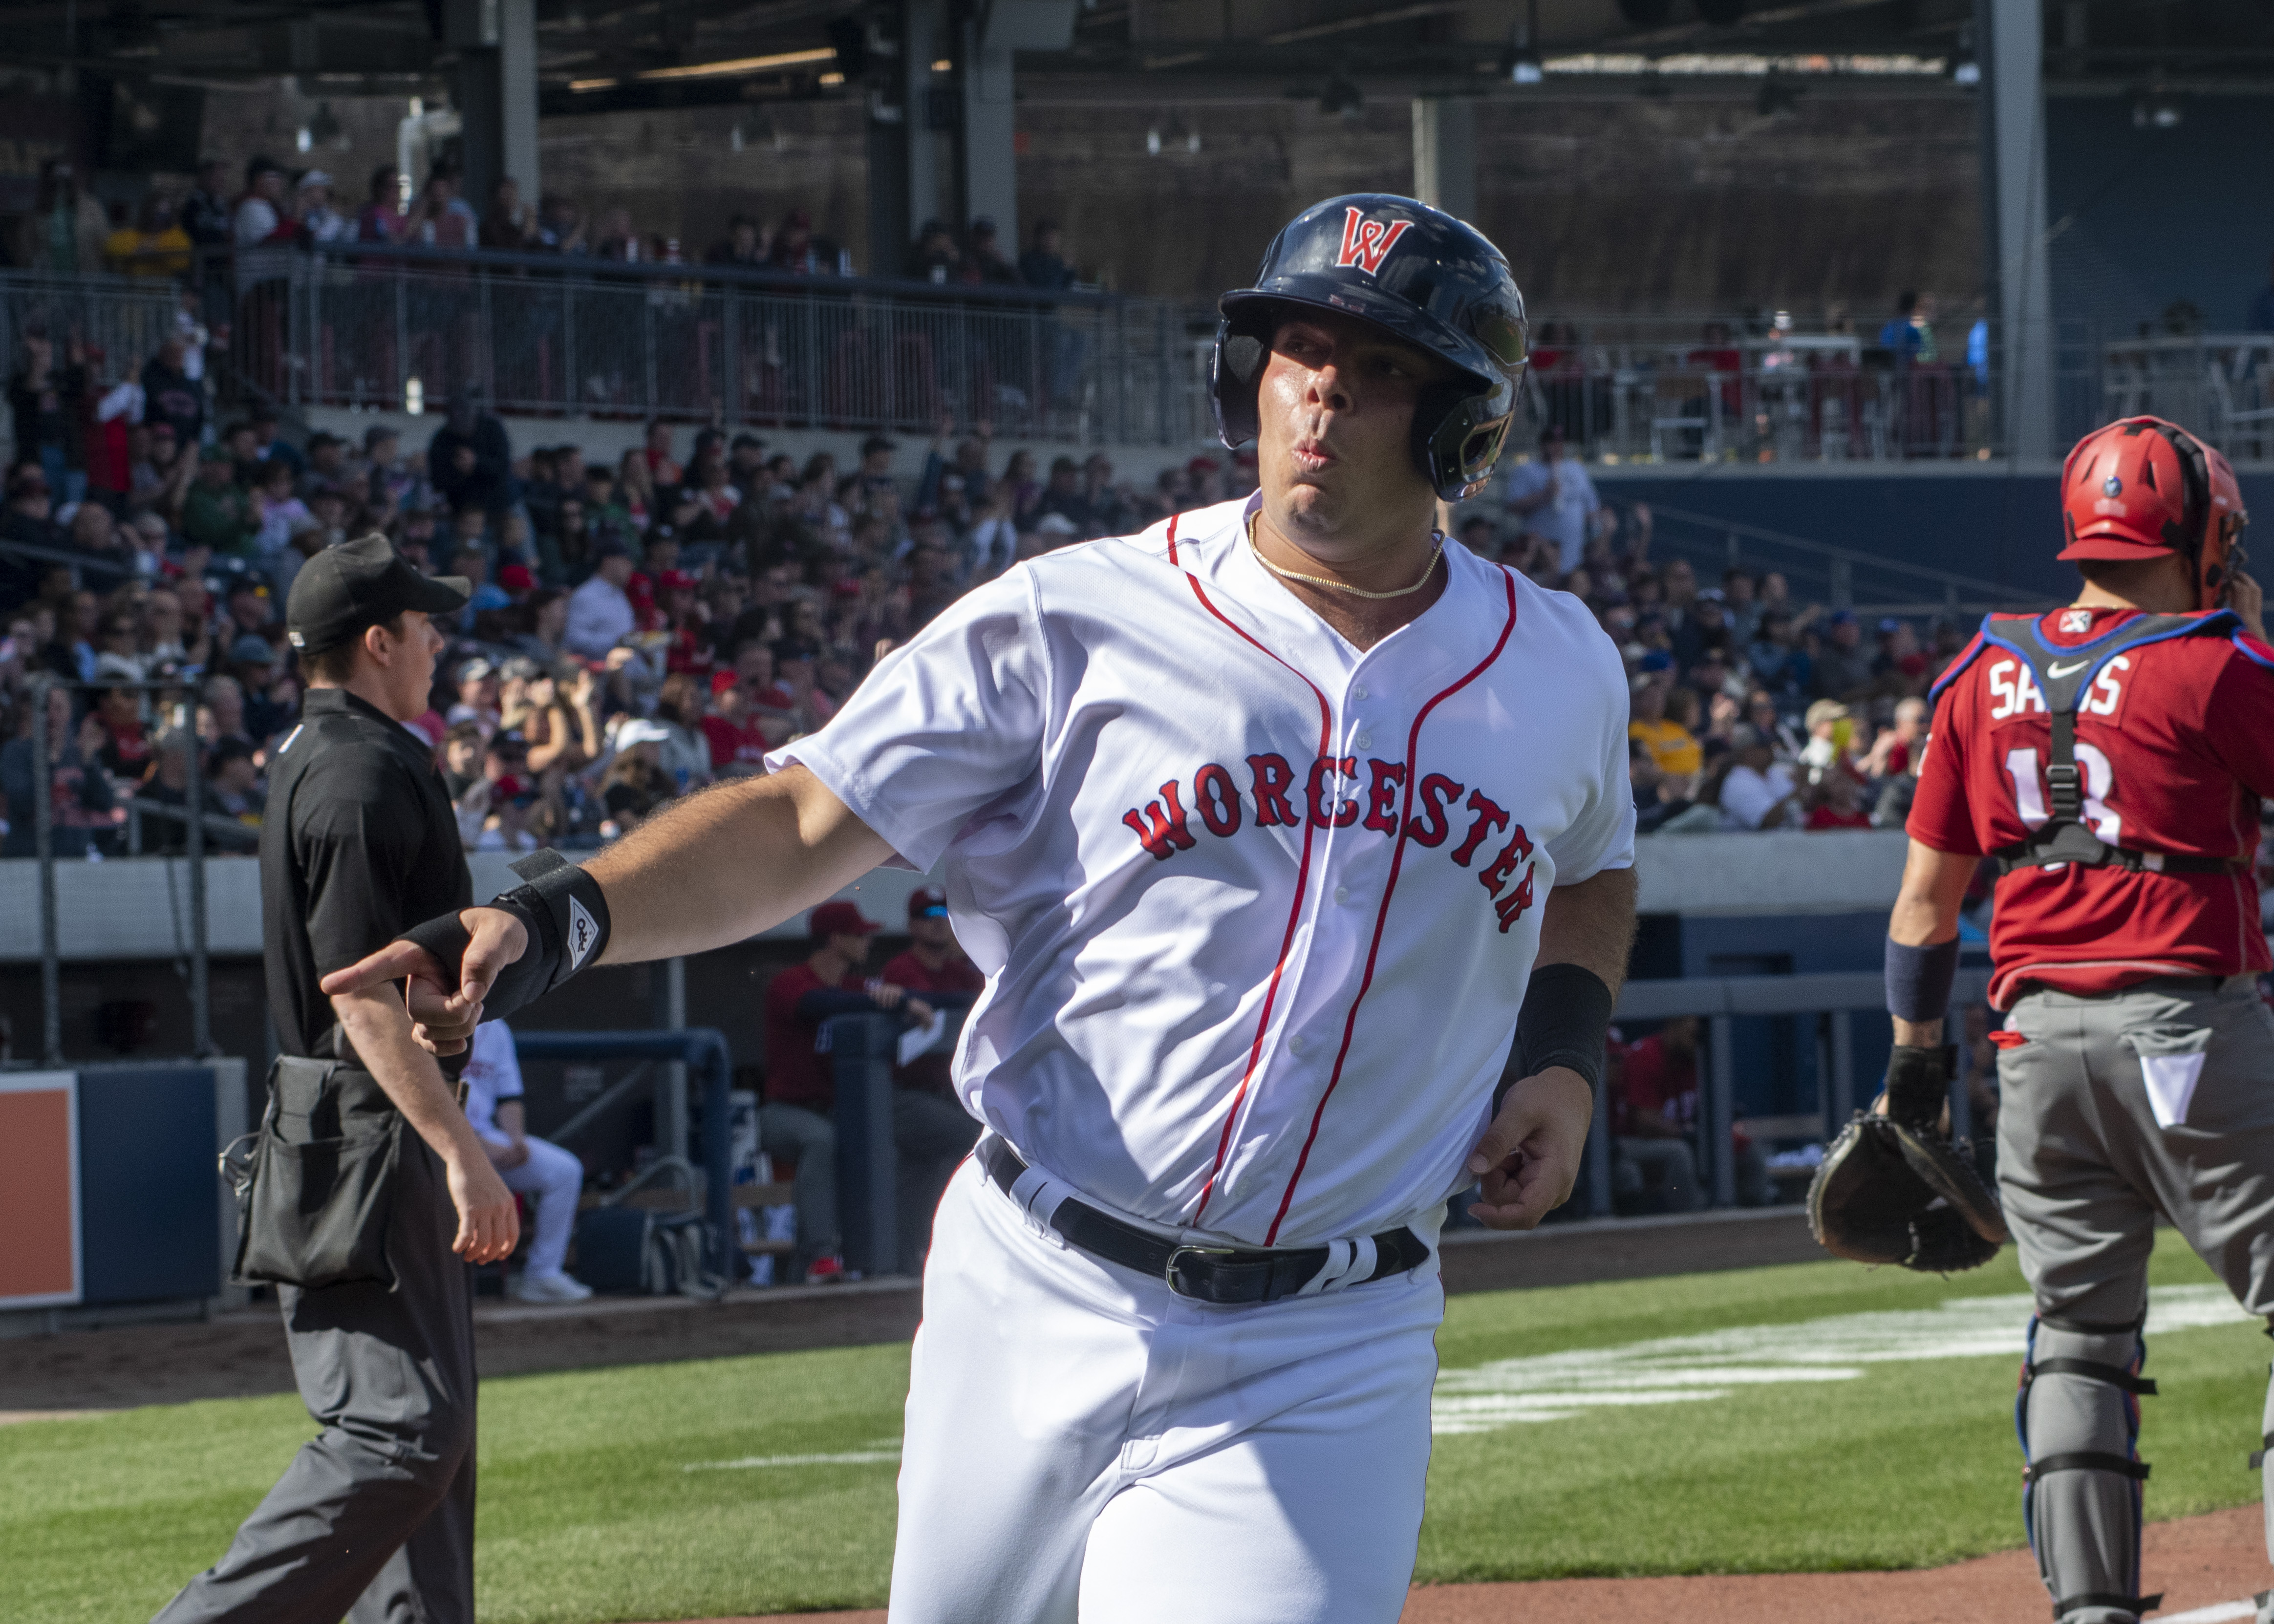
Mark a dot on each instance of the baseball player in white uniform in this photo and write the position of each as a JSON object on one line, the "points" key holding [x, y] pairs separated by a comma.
{"points": [[1272, 827], [528, 1165]]}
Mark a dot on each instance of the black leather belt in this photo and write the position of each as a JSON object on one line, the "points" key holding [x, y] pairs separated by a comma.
{"points": [[1221, 1274]]}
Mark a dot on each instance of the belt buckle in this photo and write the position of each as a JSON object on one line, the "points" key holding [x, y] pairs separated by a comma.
{"points": [[1168, 1270]]}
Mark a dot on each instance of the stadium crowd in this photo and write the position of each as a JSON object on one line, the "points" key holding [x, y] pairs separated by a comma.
{"points": [[642, 626], [264, 205]]}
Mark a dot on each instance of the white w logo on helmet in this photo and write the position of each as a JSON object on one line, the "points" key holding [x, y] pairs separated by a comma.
{"points": [[1366, 242]]}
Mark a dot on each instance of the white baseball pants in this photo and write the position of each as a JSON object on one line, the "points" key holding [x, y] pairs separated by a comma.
{"points": [[555, 1177], [1084, 1444]]}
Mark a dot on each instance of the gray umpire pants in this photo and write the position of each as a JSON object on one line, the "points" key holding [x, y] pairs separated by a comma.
{"points": [[374, 1521], [2157, 1101]]}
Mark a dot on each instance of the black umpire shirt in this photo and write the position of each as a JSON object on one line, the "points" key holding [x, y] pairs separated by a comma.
{"points": [[357, 843]]}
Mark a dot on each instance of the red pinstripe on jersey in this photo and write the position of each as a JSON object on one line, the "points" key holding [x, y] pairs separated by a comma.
{"points": [[1381, 914], [1294, 911]]}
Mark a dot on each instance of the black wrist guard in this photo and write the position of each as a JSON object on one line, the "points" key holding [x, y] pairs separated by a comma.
{"points": [[1919, 980], [565, 916], [1919, 1083], [1564, 1021]]}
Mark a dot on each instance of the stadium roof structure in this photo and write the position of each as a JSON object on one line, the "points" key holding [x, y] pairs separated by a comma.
{"points": [[600, 55]]}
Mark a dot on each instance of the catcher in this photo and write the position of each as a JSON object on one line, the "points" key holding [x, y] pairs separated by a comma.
{"points": [[2110, 756]]}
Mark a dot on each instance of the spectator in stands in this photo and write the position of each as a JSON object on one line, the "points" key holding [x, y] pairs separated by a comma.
{"points": [[744, 245], [153, 247], [48, 402], [1909, 332], [801, 1093], [382, 219], [112, 735], [320, 221], [218, 513], [1654, 1166], [1662, 1097], [234, 789], [684, 753], [79, 791], [261, 216], [528, 1165], [735, 733], [1841, 668], [1704, 631], [797, 250], [635, 787], [206, 212], [600, 611], [930, 1128], [170, 396], [984, 261], [1045, 264], [1838, 804], [441, 218], [469, 459], [560, 225], [63, 234], [1758, 792], [1554, 497], [509, 225], [935, 257], [1672, 747]]}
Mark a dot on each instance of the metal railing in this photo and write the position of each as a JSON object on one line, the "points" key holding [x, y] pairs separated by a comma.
{"points": [[401, 328], [1707, 389], [1721, 1000]]}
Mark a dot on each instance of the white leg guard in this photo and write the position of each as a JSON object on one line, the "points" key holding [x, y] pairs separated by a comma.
{"points": [[2079, 1418]]}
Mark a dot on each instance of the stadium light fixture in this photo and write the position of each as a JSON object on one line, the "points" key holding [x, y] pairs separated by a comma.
{"points": [[1521, 61], [1965, 68]]}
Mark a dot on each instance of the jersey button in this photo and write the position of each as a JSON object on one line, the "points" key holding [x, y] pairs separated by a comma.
{"points": [[1342, 893], [1364, 741], [1295, 1044], [1358, 690]]}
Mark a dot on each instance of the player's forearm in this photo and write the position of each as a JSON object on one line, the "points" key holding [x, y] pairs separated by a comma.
{"points": [[724, 864], [378, 1026], [1591, 924], [1925, 914]]}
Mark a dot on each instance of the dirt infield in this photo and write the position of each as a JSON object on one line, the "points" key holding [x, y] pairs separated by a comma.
{"points": [[2197, 1562]]}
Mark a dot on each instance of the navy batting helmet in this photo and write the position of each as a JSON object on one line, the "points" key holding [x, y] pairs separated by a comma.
{"points": [[1422, 275]]}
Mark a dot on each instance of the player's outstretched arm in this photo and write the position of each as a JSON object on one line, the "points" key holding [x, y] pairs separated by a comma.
{"points": [[712, 869], [1528, 1159]]}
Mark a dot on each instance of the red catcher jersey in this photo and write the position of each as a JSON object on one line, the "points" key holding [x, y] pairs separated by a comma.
{"points": [[2175, 741]]}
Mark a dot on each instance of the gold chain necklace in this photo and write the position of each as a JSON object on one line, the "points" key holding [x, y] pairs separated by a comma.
{"points": [[1338, 586]]}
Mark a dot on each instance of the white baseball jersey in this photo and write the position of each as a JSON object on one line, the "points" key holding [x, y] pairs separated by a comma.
{"points": [[491, 1076], [1257, 908]]}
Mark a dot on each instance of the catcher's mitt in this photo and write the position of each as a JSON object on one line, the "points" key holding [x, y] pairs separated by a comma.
{"points": [[1888, 1193]]}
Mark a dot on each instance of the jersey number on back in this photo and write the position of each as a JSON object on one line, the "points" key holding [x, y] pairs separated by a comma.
{"points": [[2030, 798], [2014, 692]]}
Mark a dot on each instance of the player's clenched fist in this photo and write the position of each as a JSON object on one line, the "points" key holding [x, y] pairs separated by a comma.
{"points": [[1528, 1159]]}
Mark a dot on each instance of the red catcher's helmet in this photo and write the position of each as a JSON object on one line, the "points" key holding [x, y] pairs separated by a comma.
{"points": [[2140, 488]]}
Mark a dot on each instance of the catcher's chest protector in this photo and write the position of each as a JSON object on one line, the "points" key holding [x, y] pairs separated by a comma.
{"points": [[2064, 676]]}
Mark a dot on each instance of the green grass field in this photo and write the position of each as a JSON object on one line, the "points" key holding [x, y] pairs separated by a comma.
{"points": [[1574, 1438]]}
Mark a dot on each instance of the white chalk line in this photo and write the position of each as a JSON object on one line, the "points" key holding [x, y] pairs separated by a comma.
{"points": [[1712, 1364]]}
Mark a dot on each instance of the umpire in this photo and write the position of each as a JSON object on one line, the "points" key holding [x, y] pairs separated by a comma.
{"points": [[349, 1214]]}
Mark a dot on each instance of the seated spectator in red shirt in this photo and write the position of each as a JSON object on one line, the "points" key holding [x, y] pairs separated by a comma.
{"points": [[932, 1130], [1654, 1121], [1839, 804], [801, 1088], [736, 733]]}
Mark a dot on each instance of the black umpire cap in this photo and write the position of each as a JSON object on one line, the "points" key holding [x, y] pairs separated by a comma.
{"points": [[361, 584]]}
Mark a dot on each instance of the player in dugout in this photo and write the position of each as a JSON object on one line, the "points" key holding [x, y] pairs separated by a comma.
{"points": [[1272, 828], [2111, 758]]}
